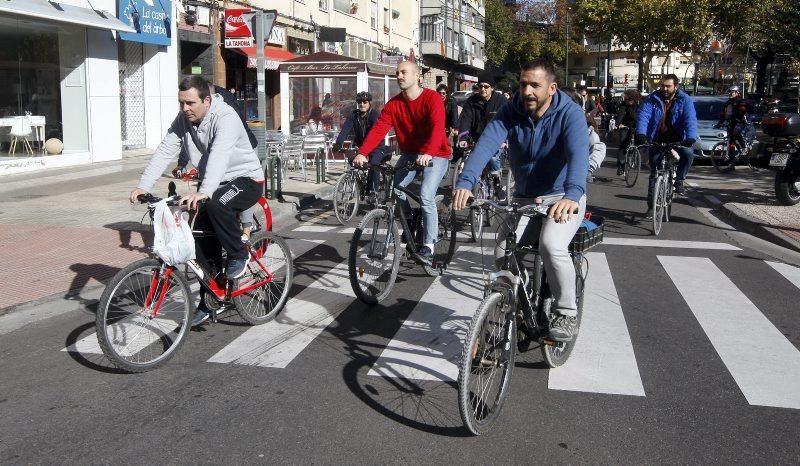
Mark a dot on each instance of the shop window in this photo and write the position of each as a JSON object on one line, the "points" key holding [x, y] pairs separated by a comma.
{"points": [[333, 96], [43, 75], [378, 91]]}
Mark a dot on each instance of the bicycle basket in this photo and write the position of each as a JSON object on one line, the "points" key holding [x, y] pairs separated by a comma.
{"points": [[585, 239]]}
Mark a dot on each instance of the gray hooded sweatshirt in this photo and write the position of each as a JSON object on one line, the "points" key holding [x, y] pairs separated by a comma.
{"points": [[230, 154]]}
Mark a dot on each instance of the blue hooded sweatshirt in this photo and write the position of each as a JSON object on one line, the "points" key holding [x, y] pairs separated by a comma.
{"points": [[549, 156]]}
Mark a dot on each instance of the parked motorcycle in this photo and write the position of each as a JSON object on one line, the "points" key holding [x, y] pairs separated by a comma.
{"points": [[783, 155]]}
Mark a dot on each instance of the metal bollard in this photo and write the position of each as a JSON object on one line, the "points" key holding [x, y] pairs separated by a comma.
{"points": [[274, 174], [319, 161]]}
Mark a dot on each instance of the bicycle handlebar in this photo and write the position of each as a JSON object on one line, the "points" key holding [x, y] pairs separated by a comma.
{"points": [[528, 209], [150, 199]]}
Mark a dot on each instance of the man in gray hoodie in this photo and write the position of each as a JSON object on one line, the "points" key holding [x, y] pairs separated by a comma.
{"points": [[230, 174]]}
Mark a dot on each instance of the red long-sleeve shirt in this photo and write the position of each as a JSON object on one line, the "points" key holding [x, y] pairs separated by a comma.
{"points": [[418, 125]]}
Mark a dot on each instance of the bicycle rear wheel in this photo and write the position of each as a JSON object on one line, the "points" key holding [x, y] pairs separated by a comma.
{"points": [[457, 169], [659, 203], [720, 156], [445, 246], [261, 304], [477, 217], [346, 197], [487, 363], [374, 257], [558, 352], [129, 335], [633, 165]]}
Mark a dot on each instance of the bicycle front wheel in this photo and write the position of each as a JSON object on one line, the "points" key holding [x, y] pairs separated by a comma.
{"points": [[487, 362], [659, 203], [346, 197], [477, 217], [261, 304], [558, 352], [130, 333], [374, 257], [633, 165], [720, 156]]}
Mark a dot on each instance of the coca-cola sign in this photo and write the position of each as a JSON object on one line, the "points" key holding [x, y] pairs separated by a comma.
{"points": [[237, 22]]}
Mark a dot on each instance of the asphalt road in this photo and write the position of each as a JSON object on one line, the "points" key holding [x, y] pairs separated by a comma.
{"points": [[688, 354]]}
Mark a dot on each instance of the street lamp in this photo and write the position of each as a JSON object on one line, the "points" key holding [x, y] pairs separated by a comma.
{"points": [[716, 50], [696, 59]]}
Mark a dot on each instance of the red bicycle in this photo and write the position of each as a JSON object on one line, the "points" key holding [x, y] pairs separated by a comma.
{"points": [[146, 310]]}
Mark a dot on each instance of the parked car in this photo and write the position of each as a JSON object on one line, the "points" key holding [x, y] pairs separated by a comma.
{"points": [[460, 97], [708, 110]]}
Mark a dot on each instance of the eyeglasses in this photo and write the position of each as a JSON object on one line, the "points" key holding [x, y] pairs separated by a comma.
{"points": [[363, 101], [485, 86]]}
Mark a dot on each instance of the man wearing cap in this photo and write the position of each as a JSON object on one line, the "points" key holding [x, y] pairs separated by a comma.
{"points": [[478, 111]]}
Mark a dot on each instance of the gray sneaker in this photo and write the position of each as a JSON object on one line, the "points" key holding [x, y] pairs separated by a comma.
{"points": [[562, 328], [200, 315]]}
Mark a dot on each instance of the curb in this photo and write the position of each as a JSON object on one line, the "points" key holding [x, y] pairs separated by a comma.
{"points": [[755, 227]]}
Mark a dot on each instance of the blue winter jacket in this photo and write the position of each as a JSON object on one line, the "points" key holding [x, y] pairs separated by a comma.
{"points": [[682, 116], [548, 156]]}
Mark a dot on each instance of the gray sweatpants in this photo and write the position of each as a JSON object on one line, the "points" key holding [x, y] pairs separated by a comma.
{"points": [[554, 239]]}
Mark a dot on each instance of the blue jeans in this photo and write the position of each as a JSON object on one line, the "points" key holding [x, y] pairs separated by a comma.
{"points": [[431, 178], [687, 156]]}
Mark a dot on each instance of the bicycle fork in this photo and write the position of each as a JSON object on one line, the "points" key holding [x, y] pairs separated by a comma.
{"points": [[159, 286]]}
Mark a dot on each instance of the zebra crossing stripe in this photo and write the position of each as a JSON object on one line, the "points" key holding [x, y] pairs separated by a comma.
{"points": [[762, 361], [790, 272], [432, 335], [664, 243], [603, 360], [277, 343], [316, 228]]}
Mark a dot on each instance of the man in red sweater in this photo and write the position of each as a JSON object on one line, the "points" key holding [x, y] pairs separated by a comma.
{"points": [[418, 118]]}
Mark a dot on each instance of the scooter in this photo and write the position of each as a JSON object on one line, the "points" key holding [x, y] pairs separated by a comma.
{"points": [[783, 155]]}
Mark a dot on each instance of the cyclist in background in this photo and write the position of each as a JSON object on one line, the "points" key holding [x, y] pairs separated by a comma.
{"points": [[479, 109], [667, 116], [597, 148], [548, 149], [230, 173], [358, 123], [417, 116], [626, 121]]}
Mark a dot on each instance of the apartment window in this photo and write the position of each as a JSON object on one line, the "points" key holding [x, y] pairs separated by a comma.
{"points": [[386, 19], [323, 5], [373, 14], [428, 28], [346, 6]]}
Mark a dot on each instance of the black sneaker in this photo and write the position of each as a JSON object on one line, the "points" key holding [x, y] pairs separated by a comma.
{"points": [[562, 328], [620, 170], [200, 315], [679, 189], [425, 255]]}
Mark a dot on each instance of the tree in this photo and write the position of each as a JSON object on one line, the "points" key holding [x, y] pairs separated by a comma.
{"points": [[499, 31]]}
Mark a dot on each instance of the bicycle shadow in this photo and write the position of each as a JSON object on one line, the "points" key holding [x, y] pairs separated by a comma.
{"points": [[85, 274], [133, 236], [81, 345]]}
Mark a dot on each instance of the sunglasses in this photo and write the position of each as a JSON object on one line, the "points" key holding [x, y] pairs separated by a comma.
{"points": [[485, 86]]}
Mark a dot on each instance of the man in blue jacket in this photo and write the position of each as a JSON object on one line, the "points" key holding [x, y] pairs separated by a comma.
{"points": [[548, 148], [668, 116], [359, 122]]}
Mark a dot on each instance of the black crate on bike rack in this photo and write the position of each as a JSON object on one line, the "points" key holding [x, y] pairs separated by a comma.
{"points": [[585, 239]]}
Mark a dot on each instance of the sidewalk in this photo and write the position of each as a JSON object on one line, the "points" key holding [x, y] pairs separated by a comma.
{"points": [[72, 228], [746, 199]]}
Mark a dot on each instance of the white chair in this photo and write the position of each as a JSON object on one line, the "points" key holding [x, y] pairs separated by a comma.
{"points": [[292, 154], [20, 129], [314, 142]]}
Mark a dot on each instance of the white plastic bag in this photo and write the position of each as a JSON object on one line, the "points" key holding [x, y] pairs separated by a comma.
{"points": [[173, 241]]}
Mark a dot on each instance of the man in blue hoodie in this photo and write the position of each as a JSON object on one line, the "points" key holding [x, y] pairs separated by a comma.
{"points": [[547, 145], [667, 116]]}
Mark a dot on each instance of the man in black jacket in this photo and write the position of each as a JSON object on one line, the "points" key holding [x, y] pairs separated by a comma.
{"points": [[478, 111], [359, 122], [626, 121]]}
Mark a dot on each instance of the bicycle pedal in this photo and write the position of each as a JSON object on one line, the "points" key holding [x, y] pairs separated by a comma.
{"points": [[549, 342]]}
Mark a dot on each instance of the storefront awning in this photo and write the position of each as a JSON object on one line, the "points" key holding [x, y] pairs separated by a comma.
{"points": [[64, 13], [273, 57]]}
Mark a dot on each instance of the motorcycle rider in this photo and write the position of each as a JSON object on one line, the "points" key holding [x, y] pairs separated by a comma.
{"points": [[734, 118]]}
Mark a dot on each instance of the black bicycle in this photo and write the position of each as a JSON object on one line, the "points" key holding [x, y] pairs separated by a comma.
{"points": [[631, 162], [664, 188], [352, 190], [725, 154], [488, 186], [514, 315], [375, 249]]}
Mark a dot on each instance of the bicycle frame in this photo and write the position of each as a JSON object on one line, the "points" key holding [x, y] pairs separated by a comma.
{"points": [[222, 291]]}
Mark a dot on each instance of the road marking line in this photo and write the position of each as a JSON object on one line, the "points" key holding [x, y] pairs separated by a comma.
{"points": [[316, 228], [432, 335], [277, 343], [764, 364], [663, 243], [790, 272], [603, 360]]}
